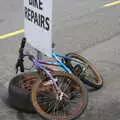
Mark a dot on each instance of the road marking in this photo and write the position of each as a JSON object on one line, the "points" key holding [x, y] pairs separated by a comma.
{"points": [[12, 34], [112, 4]]}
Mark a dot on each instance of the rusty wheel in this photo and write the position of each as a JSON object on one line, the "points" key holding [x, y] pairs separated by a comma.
{"points": [[20, 91]]}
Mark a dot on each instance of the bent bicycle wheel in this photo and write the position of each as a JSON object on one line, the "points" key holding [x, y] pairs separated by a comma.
{"points": [[55, 106], [91, 76], [19, 91]]}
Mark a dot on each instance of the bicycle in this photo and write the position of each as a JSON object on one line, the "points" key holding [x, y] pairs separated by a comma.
{"points": [[78, 65], [55, 95]]}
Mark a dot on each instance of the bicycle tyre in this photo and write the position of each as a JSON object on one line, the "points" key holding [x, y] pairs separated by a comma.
{"points": [[98, 82], [19, 96], [41, 110]]}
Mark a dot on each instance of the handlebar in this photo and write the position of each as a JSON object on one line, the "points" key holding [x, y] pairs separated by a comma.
{"points": [[19, 63], [22, 48], [23, 43], [20, 60]]}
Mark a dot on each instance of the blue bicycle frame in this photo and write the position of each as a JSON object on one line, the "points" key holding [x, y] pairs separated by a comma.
{"points": [[59, 62], [41, 63]]}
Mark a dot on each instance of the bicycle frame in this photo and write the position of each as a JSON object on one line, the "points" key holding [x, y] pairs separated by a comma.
{"points": [[59, 62], [56, 55], [40, 65]]}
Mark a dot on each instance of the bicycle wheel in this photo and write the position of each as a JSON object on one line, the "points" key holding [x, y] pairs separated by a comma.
{"points": [[19, 90], [54, 107], [91, 76]]}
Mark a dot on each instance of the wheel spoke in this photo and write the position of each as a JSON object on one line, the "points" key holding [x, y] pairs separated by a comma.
{"points": [[56, 105], [50, 106], [67, 85]]}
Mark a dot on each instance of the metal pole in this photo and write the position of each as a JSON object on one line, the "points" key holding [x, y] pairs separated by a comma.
{"points": [[39, 54]]}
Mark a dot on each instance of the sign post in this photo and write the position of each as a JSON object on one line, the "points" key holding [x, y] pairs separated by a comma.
{"points": [[38, 24]]}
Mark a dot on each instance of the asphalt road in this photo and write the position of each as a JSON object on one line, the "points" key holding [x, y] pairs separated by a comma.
{"points": [[82, 26]]}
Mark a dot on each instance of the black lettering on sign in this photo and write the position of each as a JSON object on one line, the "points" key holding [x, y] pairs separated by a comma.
{"points": [[32, 15], [36, 3], [47, 23], [30, 2], [37, 19], [40, 5], [29, 14], [42, 21], [26, 12]]}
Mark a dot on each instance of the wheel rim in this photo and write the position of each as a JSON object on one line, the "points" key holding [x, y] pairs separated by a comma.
{"points": [[89, 75], [47, 103]]}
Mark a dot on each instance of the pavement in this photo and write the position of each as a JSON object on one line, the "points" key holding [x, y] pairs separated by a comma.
{"points": [[85, 27], [104, 104]]}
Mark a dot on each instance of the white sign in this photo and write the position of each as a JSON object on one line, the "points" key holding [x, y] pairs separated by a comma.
{"points": [[38, 24]]}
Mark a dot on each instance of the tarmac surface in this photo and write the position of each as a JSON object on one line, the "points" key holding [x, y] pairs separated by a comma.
{"points": [[85, 27]]}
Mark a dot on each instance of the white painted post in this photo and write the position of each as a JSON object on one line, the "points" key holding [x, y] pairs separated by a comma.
{"points": [[38, 25]]}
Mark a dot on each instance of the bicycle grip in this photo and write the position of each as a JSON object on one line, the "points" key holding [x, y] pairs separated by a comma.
{"points": [[23, 43], [21, 67]]}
